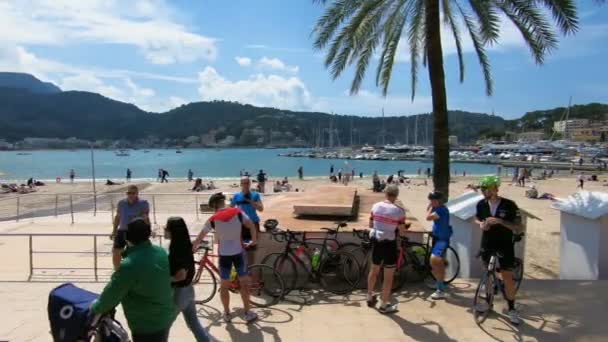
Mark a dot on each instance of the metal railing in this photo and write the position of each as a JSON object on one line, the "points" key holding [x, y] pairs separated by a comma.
{"points": [[40, 204], [158, 238]]}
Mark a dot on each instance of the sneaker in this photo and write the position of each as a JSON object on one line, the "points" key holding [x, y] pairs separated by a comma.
{"points": [[250, 316], [372, 301], [438, 295], [227, 317], [514, 317], [388, 308]]}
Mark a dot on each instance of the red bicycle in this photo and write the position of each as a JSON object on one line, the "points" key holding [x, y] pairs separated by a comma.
{"points": [[266, 285]]}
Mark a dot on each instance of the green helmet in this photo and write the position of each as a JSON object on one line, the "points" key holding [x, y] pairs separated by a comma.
{"points": [[489, 181]]}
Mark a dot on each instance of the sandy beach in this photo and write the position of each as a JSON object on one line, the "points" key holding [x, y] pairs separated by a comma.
{"points": [[542, 249]]}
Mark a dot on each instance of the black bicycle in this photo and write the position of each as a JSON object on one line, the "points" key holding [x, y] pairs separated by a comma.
{"points": [[337, 271], [490, 284]]}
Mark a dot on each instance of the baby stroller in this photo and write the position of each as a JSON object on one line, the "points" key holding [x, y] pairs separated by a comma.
{"points": [[72, 320]]}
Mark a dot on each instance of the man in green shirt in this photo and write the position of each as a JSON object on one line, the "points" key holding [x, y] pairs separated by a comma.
{"points": [[142, 284]]}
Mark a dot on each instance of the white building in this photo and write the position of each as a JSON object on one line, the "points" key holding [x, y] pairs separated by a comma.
{"points": [[566, 126]]}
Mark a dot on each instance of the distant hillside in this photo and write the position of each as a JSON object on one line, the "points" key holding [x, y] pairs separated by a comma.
{"points": [[28, 82], [544, 119], [28, 113]]}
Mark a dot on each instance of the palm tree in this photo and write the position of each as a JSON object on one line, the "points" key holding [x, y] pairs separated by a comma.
{"points": [[352, 30]]}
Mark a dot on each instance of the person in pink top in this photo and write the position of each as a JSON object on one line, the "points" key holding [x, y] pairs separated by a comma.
{"points": [[386, 219]]}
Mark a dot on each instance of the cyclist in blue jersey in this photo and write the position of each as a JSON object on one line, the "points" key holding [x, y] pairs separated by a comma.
{"points": [[442, 232]]}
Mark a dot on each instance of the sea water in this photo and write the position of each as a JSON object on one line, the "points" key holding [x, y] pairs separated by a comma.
{"points": [[205, 163]]}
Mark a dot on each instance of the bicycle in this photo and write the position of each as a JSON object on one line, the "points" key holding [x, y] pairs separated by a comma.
{"points": [[266, 285], [490, 283], [414, 255], [337, 271]]}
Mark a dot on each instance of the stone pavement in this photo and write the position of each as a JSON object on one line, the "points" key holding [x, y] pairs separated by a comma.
{"points": [[552, 311]]}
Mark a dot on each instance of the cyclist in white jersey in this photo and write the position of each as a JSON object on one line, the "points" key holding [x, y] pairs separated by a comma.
{"points": [[386, 219], [227, 223]]}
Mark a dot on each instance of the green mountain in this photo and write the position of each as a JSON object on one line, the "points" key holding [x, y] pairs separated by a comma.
{"points": [[28, 82], [28, 112]]}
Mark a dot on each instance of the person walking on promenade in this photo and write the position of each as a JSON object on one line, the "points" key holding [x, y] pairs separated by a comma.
{"points": [[142, 285], [190, 175], [127, 210], [128, 175], [72, 176], [301, 173], [181, 264], [386, 220], [164, 176]]}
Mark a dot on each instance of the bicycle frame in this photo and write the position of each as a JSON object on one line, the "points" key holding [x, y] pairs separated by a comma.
{"points": [[206, 261]]}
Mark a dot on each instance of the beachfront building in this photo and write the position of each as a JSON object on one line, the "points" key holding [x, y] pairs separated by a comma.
{"points": [[533, 136]]}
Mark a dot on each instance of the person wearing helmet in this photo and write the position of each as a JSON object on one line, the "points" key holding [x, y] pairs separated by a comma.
{"points": [[499, 219], [227, 224], [439, 214]]}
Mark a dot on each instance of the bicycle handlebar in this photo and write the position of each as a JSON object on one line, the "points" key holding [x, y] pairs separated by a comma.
{"points": [[362, 234], [286, 235]]}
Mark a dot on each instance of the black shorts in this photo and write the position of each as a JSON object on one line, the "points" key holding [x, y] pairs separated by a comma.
{"points": [[120, 239], [506, 251], [384, 252]]}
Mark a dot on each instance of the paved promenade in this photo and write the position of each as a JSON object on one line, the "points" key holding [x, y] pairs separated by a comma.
{"points": [[552, 310]]}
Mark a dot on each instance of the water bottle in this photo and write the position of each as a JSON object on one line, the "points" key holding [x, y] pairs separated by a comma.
{"points": [[233, 274], [316, 259]]}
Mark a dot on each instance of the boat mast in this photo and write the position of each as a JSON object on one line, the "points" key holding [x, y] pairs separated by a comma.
{"points": [[564, 117]]}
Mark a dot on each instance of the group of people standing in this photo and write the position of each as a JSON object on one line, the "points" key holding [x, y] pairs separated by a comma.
{"points": [[498, 218], [153, 286]]}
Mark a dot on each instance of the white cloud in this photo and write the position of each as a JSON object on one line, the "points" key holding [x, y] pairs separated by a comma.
{"points": [[276, 64], [259, 90], [145, 24], [274, 48], [370, 103], [243, 61]]}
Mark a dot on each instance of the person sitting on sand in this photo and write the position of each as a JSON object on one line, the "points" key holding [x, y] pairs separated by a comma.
{"points": [[110, 182], [532, 192], [211, 186], [30, 183], [198, 185], [277, 187], [285, 181]]}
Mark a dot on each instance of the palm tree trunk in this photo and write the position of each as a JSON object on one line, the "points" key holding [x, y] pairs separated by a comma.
{"points": [[434, 55]]}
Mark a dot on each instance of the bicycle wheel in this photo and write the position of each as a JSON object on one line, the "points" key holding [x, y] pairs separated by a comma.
{"points": [[518, 273], [357, 251], [266, 286], [205, 285], [339, 272], [484, 297], [452, 266], [286, 268]]}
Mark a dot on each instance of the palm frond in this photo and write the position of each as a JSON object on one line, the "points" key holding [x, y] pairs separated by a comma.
{"points": [[448, 17], [414, 38], [488, 20], [478, 44], [329, 23], [564, 13], [395, 17], [535, 29]]}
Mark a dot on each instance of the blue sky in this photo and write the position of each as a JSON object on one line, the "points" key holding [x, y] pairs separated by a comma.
{"points": [[160, 54]]}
